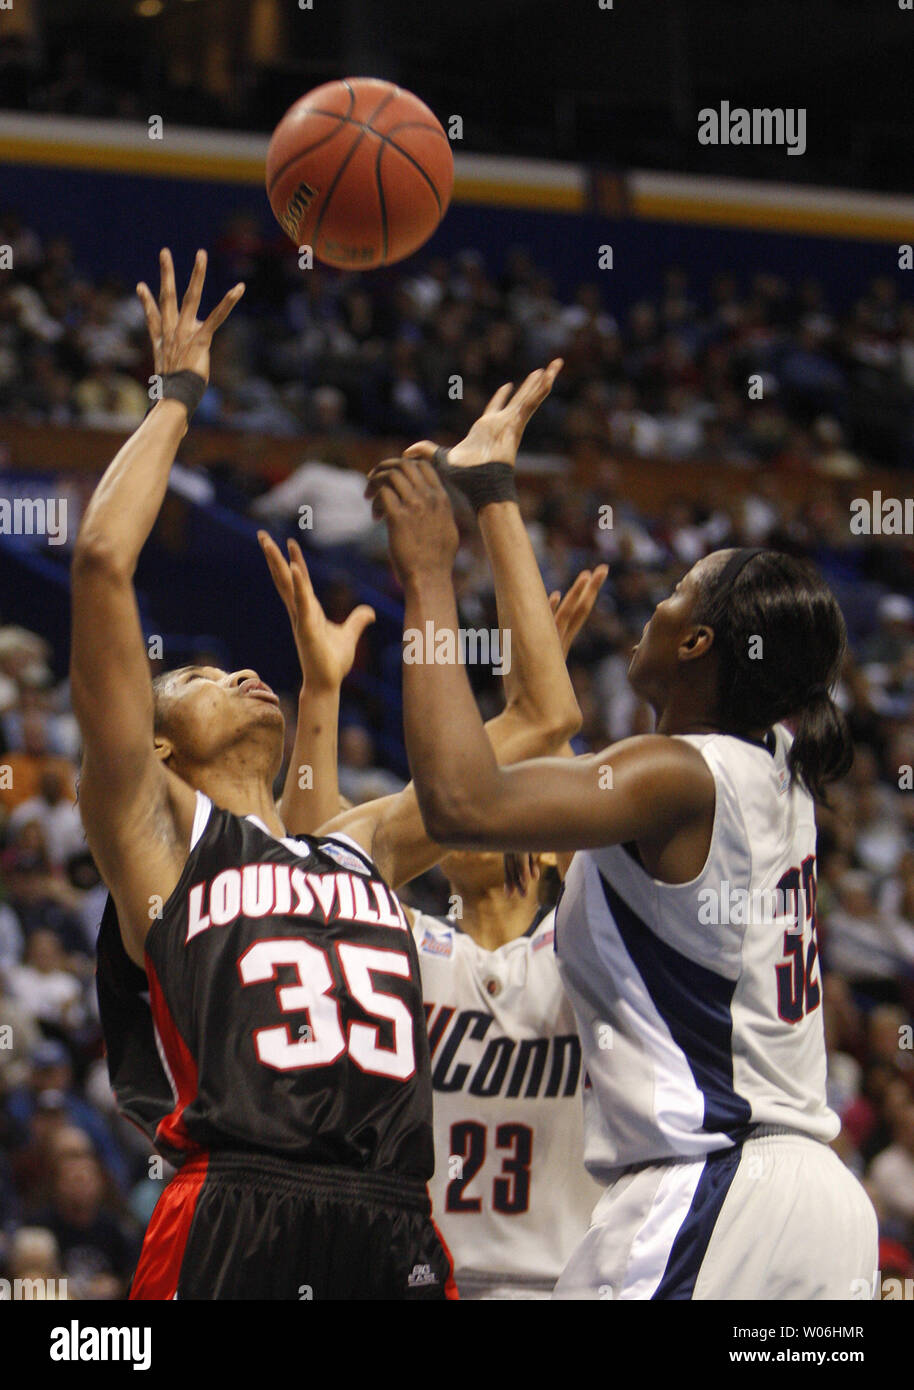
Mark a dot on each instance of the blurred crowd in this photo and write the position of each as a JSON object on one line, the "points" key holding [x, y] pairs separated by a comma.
{"points": [[754, 371], [345, 358]]}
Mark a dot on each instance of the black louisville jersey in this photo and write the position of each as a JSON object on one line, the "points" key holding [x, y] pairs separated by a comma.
{"points": [[280, 1009]]}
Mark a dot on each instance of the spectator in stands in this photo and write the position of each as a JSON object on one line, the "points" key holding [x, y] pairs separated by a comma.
{"points": [[56, 813], [97, 1253], [107, 398], [359, 777], [45, 984], [34, 1257], [892, 1175], [27, 767], [858, 943], [51, 1077], [12, 942], [23, 663], [43, 900], [20, 1036]]}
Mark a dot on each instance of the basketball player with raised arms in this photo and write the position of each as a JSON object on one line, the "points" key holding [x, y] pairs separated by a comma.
{"points": [[284, 998], [510, 1193], [706, 1120], [282, 1059]]}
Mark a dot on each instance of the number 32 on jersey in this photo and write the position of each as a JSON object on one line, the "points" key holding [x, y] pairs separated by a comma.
{"points": [[797, 977]]}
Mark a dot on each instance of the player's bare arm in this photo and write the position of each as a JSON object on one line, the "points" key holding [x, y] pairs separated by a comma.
{"points": [[541, 710], [137, 813], [651, 789], [511, 736], [537, 685], [326, 651]]}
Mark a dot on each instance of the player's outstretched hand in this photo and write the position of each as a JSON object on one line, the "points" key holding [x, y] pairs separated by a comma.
{"points": [[421, 530], [180, 342], [572, 611], [496, 435], [325, 649]]}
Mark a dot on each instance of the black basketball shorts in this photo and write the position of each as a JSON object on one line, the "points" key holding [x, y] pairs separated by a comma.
{"points": [[254, 1226]]}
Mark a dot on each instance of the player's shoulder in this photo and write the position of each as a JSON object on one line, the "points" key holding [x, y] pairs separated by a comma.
{"points": [[344, 851], [443, 938], [541, 934], [436, 936]]}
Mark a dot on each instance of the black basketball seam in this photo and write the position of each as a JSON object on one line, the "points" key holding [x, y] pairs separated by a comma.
{"points": [[416, 165], [300, 154], [342, 169], [417, 125], [404, 125], [337, 116], [383, 201]]}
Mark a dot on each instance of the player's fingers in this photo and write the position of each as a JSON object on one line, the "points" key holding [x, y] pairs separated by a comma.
{"points": [[581, 599], [151, 310], [307, 604], [572, 611], [279, 570], [299, 566], [527, 388], [376, 475], [552, 371], [555, 599], [536, 388], [191, 301], [222, 310], [359, 619], [423, 471], [425, 449], [387, 504], [586, 597], [573, 594], [398, 473], [539, 388], [595, 584], [168, 301], [500, 398]]}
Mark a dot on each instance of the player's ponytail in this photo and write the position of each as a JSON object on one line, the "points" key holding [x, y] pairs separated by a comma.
{"points": [[822, 750], [780, 638]]}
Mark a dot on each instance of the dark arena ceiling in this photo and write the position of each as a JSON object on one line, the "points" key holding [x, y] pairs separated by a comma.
{"points": [[559, 78]]}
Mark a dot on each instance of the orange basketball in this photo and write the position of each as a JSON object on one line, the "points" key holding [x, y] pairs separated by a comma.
{"points": [[361, 171]]}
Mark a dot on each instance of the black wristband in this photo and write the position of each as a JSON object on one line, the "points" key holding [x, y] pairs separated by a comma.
{"points": [[481, 484], [186, 387]]}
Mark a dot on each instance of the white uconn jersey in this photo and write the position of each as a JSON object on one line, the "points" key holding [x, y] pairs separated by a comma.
{"points": [[699, 1004], [510, 1193]]}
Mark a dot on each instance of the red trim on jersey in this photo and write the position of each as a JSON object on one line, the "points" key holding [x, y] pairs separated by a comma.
{"points": [[180, 1061], [450, 1285], [159, 1266]]}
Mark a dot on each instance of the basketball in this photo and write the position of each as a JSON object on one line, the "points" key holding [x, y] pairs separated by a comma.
{"points": [[361, 171]]}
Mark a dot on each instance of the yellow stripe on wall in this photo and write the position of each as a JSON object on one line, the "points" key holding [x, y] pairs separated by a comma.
{"points": [[156, 163], [519, 195], [812, 221], [561, 188], [163, 163]]}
